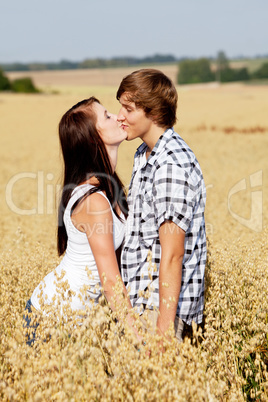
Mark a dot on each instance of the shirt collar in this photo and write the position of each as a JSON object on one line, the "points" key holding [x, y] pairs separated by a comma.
{"points": [[162, 141]]}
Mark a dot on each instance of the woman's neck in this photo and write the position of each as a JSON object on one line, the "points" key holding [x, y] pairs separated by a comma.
{"points": [[112, 151]]}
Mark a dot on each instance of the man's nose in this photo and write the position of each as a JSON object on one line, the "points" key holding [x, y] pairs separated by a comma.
{"points": [[120, 116]]}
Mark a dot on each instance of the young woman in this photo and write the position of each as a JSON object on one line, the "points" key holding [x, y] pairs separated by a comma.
{"points": [[92, 210]]}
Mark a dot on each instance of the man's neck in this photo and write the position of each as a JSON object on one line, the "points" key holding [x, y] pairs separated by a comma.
{"points": [[151, 138]]}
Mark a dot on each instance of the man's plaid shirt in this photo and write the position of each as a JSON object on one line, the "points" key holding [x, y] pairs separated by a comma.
{"points": [[168, 185]]}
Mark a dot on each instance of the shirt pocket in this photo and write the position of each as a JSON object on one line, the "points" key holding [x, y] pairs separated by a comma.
{"points": [[148, 227]]}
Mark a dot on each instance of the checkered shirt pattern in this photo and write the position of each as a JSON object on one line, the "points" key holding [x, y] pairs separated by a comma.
{"points": [[168, 185]]}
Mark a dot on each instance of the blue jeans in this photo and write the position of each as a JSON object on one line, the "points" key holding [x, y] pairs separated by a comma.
{"points": [[28, 318]]}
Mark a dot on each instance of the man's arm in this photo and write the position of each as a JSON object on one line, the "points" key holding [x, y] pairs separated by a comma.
{"points": [[171, 238]]}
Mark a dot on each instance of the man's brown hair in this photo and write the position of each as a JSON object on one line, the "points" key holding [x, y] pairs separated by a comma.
{"points": [[152, 91]]}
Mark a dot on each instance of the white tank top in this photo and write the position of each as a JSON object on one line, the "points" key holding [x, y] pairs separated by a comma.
{"points": [[77, 260]]}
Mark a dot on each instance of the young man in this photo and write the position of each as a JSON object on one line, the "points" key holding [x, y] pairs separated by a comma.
{"points": [[166, 207]]}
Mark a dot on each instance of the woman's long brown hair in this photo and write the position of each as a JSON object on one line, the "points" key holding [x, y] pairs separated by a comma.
{"points": [[85, 156]]}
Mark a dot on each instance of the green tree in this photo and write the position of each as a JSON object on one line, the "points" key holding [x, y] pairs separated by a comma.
{"points": [[222, 63], [24, 85], [262, 72], [4, 82], [242, 74], [222, 60], [224, 73], [195, 71], [234, 74]]}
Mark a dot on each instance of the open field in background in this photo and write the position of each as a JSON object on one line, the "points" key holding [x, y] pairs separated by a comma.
{"points": [[85, 77], [227, 128]]}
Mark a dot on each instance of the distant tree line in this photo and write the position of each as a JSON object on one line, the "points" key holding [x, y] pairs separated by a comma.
{"points": [[200, 70], [190, 70], [24, 85], [91, 63]]}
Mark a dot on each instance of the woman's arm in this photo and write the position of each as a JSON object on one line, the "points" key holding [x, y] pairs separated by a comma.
{"points": [[94, 217]]}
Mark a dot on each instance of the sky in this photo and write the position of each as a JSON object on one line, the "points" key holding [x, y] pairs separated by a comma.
{"points": [[75, 30]]}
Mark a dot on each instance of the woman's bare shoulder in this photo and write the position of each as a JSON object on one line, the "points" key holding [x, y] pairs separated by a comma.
{"points": [[93, 205]]}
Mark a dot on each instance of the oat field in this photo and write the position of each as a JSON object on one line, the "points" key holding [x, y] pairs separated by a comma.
{"points": [[226, 359]]}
